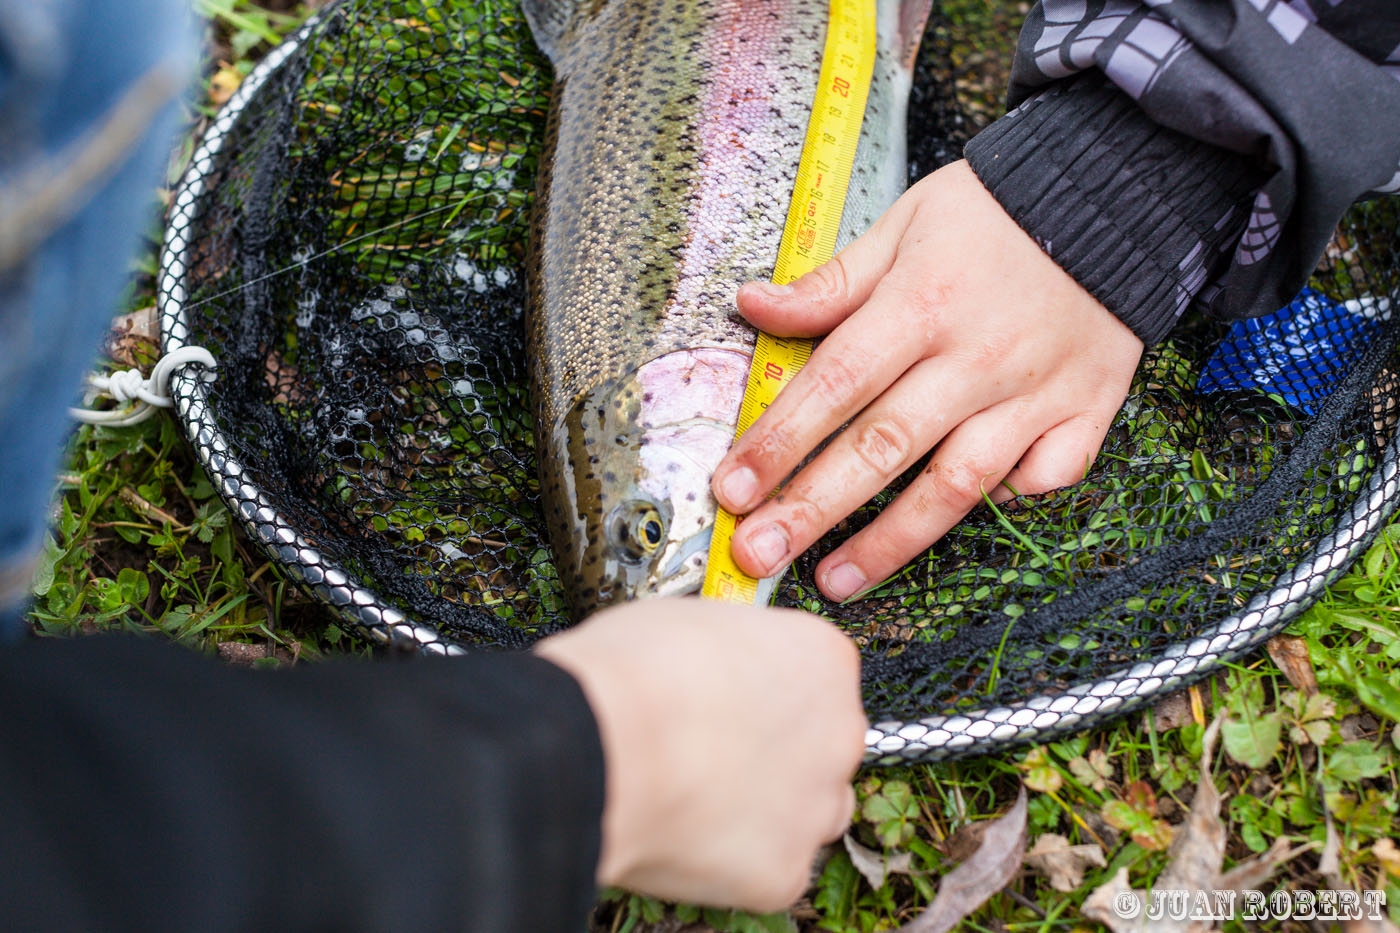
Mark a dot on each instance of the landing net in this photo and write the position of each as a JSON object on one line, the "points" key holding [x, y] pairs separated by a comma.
{"points": [[348, 242]]}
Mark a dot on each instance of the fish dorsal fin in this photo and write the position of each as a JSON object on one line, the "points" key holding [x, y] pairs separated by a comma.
{"points": [[913, 15], [550, 21]]}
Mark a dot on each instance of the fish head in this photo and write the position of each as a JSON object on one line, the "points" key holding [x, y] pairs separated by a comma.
{"points": [[626, 477]]}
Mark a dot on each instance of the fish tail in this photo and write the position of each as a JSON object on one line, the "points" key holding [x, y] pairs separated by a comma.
{"points": [[913, 15]]}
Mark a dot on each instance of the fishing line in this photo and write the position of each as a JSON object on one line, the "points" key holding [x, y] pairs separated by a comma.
{"points": [[149, 393], [318, 256]]}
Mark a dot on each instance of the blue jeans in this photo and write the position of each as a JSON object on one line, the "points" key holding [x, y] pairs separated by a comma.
{"points": [[72, 207]]}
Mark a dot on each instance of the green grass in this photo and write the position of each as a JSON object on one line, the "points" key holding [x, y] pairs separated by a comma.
{"points": [[141, 543]]}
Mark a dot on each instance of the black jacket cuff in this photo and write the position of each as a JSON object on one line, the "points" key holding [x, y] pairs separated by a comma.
{"points": [[146, 788], [1142, 216]]}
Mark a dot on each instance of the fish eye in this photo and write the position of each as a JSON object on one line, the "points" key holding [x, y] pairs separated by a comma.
{"points": [[637, 529]]}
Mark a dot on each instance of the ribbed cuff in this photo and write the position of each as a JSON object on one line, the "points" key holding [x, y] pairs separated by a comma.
{"points": [[1142, 216]]}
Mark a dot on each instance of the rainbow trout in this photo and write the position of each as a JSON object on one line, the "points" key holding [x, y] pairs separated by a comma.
{"points": [[671, 152]]}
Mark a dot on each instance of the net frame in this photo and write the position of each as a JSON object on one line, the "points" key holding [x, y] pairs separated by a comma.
{"points": [[1037, 718]]}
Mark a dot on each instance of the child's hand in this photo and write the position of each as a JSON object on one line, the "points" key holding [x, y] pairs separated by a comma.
{"points": [[949, 327], [730, 735]]}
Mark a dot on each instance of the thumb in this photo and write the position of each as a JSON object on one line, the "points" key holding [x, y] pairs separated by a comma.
{"points": [[820, 300]]}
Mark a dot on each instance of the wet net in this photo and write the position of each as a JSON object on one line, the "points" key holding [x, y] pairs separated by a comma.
{"points": [[348, 242]]}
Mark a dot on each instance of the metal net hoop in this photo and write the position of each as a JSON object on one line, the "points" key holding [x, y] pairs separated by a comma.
{"points": [[347, 241]]}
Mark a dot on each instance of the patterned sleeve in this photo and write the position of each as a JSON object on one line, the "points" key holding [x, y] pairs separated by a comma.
{"points": [[1166, 152]]}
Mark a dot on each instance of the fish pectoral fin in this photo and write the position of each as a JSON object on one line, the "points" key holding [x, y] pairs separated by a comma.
{"points": [[550, 21], [699, 543], [913, 16]]}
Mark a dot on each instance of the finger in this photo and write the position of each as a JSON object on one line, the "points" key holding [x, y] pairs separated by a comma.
{"points": [[973, 458], [852, 366], [894, 431], [845, 809], [818, 301], [1060, 457]]}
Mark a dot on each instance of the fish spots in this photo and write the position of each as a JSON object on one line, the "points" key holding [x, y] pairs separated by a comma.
{"points": [[671, 147]]}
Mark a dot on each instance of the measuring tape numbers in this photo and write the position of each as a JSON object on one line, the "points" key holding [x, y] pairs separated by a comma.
{"points": [[809, 239]]}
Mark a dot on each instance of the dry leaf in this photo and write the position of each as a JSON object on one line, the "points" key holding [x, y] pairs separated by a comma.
{"points": [[874, 866], [1062, 863], [1172, 712], [1357, 726], [1388, 855], [1195, 857], [243, 654], [1198, 847], [964, 841], [1107, 902], [133, 341], [284, 380], [1383, 409], [1290, 653], [1329, 865], [991, 868], [223, 83]]}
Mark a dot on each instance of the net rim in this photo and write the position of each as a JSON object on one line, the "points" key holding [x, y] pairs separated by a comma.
{"points": [[887, 742]]}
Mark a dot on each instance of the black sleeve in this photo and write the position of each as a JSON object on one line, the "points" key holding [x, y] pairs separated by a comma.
{"points": [[146, 788], [1195, 150]]}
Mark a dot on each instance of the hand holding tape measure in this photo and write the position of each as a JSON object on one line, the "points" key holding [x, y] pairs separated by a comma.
{"points": [[809, 240]]}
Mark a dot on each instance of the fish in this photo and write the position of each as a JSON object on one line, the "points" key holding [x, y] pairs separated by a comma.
{"points": [[671, 149]]}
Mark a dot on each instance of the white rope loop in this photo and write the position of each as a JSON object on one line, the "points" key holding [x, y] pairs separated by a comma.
{"points": [[145, 393]]}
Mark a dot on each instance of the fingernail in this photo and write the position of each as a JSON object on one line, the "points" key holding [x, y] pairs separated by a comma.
{"points": [[769, 545], [739, 487], [844, 581], [770, 289]]}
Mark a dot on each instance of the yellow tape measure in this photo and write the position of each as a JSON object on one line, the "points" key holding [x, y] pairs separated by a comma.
{"points": [[809, 239]]}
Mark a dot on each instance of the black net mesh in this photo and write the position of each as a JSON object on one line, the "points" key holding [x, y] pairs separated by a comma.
{"points": [[348, 243]]}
